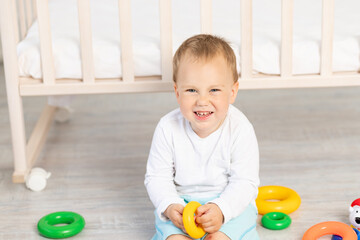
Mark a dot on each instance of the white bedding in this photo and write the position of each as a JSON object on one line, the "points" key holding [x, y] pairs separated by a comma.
{"points": [[186, 22]]}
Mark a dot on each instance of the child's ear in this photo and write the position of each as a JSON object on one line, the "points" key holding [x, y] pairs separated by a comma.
{"points": [[176, 90], [234, 91]]}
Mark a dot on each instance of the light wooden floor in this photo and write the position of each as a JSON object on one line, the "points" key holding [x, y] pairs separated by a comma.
{"points": [[309, 141]]}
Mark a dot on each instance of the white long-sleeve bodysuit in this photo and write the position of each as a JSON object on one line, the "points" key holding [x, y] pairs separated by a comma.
{"points": [[224, 165]]}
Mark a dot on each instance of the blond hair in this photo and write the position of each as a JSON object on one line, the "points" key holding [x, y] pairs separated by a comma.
{"points": [[204, 46]]}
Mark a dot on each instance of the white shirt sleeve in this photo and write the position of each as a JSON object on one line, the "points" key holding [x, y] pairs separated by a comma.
{"points": [[159, 178], [244, 180]]}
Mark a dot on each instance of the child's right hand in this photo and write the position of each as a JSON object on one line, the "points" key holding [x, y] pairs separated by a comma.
{"points": [[174, 213]]}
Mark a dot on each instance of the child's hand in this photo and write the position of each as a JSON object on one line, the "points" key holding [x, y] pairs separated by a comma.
{"points": [[210, 217], [174, 213]]}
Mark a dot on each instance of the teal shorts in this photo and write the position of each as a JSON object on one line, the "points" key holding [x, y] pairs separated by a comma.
{"points": [[242, 227]]}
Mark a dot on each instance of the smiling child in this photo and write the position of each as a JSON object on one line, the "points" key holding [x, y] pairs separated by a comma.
{"points": [[206, 150]]}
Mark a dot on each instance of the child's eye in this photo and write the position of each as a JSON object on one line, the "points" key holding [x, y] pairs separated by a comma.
{"points": [[215, 90], [191, 90]]}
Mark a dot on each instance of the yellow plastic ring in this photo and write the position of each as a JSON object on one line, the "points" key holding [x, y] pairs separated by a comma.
{"points": [[288, 200], [191, 228]]}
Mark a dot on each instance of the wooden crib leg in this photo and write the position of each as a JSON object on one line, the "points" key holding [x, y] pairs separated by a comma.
{"points": [[39, 134], [9, 40], [24, 163], [24, 156], [18, 138]]}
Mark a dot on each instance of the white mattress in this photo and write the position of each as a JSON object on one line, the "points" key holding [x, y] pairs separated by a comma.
{"points": [[186, 22]]}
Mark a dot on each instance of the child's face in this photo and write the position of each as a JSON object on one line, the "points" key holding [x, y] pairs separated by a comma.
{"points": [[204, 90]]}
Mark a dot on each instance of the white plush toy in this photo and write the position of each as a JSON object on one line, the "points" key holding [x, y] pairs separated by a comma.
{"points": [[355, 214]]}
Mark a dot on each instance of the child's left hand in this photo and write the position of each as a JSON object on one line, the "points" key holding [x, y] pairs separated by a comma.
{"points": [[210, 217]]}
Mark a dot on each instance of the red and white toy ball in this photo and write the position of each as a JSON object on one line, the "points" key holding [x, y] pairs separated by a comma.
{"points": [[355, 214]]}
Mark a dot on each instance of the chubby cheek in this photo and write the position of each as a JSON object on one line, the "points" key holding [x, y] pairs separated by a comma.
{"points": [[222, 104], [222, 109], [221, 112], [186, 107]]}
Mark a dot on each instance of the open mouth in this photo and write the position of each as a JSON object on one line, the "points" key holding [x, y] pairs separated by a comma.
{"points": [[357, 220], [203, 114]]}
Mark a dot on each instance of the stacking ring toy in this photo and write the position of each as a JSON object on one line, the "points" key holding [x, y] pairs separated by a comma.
{"points": [[47, 224], [327, 228], [336, 237], [288, 200], [191, 228], [276, 220]]}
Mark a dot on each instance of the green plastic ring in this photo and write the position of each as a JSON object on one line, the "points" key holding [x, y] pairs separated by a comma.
{"points": [[47, 224], [276, 220]]}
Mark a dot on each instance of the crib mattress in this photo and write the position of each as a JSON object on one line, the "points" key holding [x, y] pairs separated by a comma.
{"points": [[186, 22]]}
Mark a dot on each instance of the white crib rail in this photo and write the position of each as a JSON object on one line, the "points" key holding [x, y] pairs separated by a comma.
{"points": [[286, 38], [87, 59], [166, 40], [127, 56], [29, 13], [22, 18], [132, 83], [34, 12], [13, 21], [327, 37], [206, 16], [246, 40], [46, 52], [326, 78], [25, 15]]}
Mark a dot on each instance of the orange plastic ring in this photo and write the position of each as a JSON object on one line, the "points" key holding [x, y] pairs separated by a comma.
{"points": [[330, 228]]}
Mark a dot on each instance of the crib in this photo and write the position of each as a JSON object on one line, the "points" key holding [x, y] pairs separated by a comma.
{"points": [[19, 16]]}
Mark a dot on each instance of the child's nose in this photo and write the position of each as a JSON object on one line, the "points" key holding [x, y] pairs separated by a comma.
{"points": [[203, 100]]}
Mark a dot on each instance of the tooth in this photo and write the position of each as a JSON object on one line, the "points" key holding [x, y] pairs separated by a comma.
{"points": [[202, 113]]}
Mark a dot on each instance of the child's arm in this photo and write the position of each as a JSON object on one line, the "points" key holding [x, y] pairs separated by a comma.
{"points": [[159, 178], [244, 175]]}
